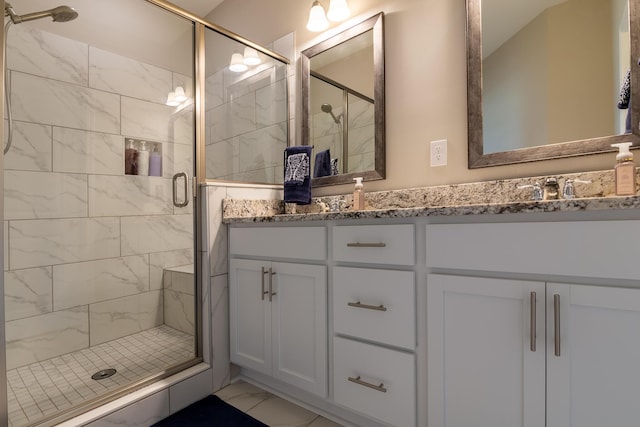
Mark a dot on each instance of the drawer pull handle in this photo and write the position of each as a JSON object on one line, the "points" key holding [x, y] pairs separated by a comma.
{"points": [[366, 245], [358, 304], [357, 380]]}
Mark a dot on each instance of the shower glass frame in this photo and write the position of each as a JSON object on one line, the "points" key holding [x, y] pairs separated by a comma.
{"points": [[199, 179]]}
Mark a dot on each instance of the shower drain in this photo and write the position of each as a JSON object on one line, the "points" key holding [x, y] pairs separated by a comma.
{"points": [[105, 373]]}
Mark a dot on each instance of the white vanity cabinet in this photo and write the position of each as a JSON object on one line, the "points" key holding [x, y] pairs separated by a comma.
{"points": [[512, 352], [483, 369], [278, 310], [374, 321], [594, 380]]}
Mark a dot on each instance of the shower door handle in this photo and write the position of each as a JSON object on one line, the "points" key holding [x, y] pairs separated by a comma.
{"points": [[176, 203]]}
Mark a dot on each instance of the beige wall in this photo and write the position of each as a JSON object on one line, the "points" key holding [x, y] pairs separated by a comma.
{"points": [[551, 82], [580, 53], [515, 99], [425, 81]]}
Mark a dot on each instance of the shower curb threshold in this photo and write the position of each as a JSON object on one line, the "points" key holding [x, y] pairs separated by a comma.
{"points": [[132, 398]]}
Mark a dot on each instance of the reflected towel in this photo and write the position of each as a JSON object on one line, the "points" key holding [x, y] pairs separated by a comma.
{"points": [[322, 166], [625, 92], [297, 179]]}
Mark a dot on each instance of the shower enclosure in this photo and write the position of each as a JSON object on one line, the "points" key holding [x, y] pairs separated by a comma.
{"points": [[101, 282]]}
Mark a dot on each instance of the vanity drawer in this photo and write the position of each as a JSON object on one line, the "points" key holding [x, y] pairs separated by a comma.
{"points": [[375, 381], [376, 244], [376, 305], [279, 242]]}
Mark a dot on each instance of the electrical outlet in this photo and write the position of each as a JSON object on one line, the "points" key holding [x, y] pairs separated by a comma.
{"points": [[439, 153]]}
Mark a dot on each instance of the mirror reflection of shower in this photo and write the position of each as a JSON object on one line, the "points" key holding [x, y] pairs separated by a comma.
{"points": [[333, 167], [57, 14], [327, 108]]}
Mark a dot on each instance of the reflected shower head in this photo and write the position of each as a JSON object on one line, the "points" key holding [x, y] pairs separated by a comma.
{"points": [[58, 14], [327, 108]]}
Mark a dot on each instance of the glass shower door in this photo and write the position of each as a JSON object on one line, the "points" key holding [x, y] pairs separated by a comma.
{"points": [[99, 283]]}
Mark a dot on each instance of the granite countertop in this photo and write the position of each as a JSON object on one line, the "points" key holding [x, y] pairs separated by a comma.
{"points": [[584, 204], [484, 198]]}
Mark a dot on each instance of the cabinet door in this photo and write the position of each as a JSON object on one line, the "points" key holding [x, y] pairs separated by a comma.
{"points": [[250, 315], [299, 324], [481, 367], [595, 379]]}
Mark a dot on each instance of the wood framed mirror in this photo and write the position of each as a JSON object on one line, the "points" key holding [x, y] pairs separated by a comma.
{"points": [[343, 106], [545, 77]]}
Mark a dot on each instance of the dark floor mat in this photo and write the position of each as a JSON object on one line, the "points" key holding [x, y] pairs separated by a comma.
{"points": [[210, 411]]}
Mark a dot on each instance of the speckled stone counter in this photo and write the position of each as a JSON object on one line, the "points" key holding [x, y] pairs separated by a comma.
{"points": [[491, 197]]}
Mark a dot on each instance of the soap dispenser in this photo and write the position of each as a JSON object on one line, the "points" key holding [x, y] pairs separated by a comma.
{"points": [[155, 162], [143, 159], [625, 171], [358, 195], [130, 159]]}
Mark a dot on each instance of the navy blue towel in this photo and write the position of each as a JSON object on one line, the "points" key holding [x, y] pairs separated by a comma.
{"points": [[322, 165], [297, 177]]}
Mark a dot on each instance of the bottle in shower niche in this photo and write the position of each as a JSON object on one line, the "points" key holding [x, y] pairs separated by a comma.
{"points": [[155, 162], [130, 159], [143, 159]]}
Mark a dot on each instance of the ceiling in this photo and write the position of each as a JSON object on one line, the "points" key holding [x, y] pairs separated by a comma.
{"points": [[199, 8]]}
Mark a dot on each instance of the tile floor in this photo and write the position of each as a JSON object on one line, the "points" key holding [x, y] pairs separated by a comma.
{"points": [[270, 409], [41, 389]]}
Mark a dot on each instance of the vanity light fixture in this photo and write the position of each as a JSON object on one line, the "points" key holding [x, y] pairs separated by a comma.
{"points": [[237, 63], [176, 97], [338, 10], [317, 19], [179, 94], [251, 56], [171, 100]]}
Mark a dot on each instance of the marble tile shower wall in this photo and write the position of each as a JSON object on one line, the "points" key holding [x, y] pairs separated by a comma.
{"points": [[246, 121], [85, 245]]}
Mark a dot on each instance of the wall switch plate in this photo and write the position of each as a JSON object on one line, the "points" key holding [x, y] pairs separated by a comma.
{"points": [[439, 153]]}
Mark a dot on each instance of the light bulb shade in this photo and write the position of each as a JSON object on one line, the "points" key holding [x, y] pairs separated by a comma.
{"points": [[171, 100], [237, 63], [180, 95], [317, 19], [338, 10], [251, 56]]}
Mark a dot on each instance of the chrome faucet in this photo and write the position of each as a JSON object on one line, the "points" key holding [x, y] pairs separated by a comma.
{"points": [[568, 191], [537, 190]]}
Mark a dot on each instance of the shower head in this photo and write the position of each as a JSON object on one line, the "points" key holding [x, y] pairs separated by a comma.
{"points": [[327, 108], [58, 14]]}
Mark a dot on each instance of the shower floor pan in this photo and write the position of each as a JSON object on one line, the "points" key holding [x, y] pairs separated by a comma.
{"points": [[41, 389]]}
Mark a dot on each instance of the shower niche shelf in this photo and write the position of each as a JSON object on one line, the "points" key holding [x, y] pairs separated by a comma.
{"points": [[133, 161]]}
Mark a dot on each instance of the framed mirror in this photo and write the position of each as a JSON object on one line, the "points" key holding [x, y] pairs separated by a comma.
{"points": [[343, 107], [545, 78]]}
